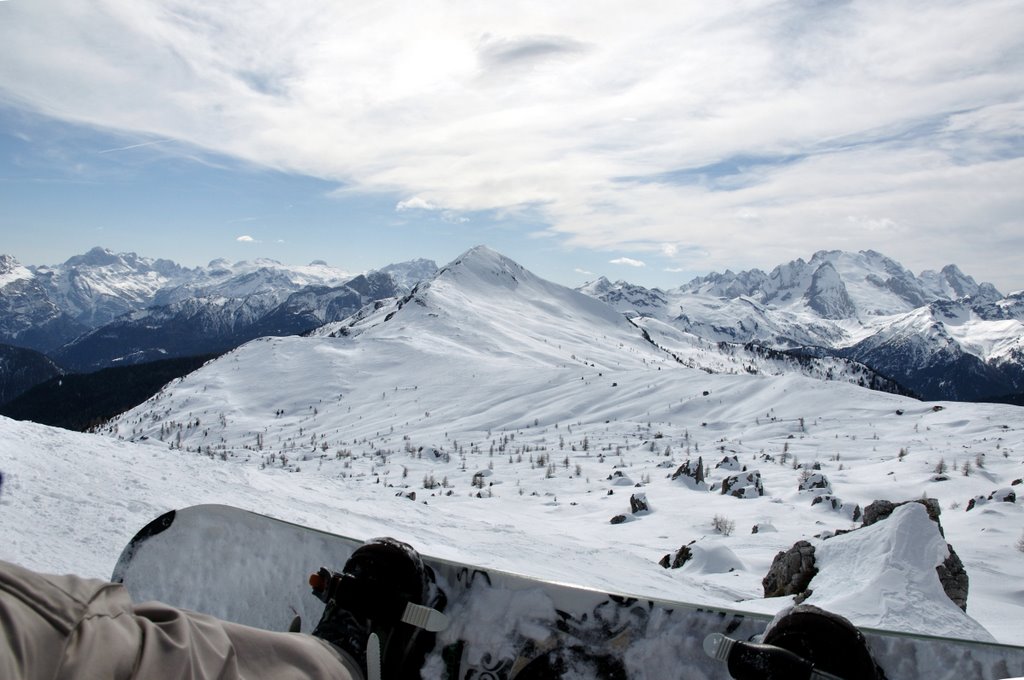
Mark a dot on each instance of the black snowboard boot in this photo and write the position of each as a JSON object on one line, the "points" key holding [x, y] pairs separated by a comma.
{"points": [[383, 610], [805, 643], [827, 640]]}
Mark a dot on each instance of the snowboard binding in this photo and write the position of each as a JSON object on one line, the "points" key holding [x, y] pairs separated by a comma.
{"points": [[383, 610], [804, 643]]}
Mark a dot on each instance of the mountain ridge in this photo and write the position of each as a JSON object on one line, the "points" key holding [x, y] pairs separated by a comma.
{"points": [[847, 305], [940, 334], [102, 308]]}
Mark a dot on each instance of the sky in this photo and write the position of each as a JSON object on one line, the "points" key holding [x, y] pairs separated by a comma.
{"points": [[649, 141]]}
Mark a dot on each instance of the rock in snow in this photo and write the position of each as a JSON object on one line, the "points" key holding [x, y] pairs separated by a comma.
{"points": [[791, 572], [691, 473], [744, 485], [701, 558], [884, 576]]}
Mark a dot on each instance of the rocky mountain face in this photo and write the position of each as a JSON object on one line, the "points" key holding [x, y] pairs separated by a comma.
{"points": [[940, 334], [29, 317]]}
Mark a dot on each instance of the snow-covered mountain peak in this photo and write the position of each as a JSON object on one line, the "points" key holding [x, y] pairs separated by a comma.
{"points": [[100, 285], [7, 264], [487, 305], [315, 273], [486, 273], [101, 261], [727, 284], [596, 287], [836, 284], [827, 294], [487, 266], [951, 283], [96, 257], [11, 270], [261, 278], [627, 298]]}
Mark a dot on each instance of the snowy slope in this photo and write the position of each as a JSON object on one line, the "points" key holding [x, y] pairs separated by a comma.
{"points": [[758, 359], [523, 416]]}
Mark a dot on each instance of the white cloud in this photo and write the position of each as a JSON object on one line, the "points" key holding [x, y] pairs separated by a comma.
{"points": [[669, 249], [628, 261], [584, 272], [749, 131], [415, 203], [675, 270], [245, 239]]}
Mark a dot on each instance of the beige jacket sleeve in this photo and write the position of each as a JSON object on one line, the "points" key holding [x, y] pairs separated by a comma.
{"points": [[56, 627]]}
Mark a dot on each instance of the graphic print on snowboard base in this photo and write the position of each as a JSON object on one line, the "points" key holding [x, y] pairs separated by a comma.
{"points": [[252, 569]]}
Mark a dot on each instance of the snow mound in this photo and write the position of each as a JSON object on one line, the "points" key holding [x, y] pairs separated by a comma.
{"points": [[883, 576], [712, 559]]}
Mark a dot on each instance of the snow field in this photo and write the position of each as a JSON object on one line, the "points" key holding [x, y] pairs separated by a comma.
{"points": [[523, 416]]}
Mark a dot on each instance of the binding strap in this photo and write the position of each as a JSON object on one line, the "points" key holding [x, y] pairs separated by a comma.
{"points": [[754, 661], [373, 661], [378, 604]]}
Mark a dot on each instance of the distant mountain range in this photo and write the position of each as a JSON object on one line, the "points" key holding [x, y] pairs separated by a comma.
{"points": [[103, 309], [857, 317], [940, 334]]}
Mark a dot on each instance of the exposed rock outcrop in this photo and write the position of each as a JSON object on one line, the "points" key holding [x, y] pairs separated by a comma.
{"points": [[791, 572], [743, 485], [851, 510], [815, 481], [691, 473], [678, 559], [729, 463]]}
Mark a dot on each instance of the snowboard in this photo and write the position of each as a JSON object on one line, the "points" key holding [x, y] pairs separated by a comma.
{"points": [[252, 569]]}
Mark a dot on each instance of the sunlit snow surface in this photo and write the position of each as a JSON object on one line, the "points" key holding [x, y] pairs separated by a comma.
{"points": [[334, 432]]}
